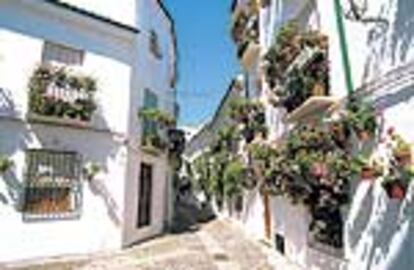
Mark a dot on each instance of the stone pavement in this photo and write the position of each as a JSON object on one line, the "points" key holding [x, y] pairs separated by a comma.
{"points": [[217, 245]]}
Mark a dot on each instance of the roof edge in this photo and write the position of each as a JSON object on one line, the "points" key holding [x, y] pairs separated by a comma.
{"points": [[92, 15]]}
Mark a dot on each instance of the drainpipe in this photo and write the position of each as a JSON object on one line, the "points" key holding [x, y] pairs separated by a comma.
{"points": [[344, 47]]}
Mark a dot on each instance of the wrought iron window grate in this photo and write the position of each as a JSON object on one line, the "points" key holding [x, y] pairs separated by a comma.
{"points": [[53, 186]]}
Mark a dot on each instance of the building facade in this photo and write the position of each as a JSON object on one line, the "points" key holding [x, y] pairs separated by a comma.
{"points": [[368, 47], [74, 75]]}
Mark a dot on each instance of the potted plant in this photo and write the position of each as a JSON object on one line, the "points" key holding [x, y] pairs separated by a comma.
{"points": [[363, 119], [369, 170], [397, 180], [401, 151], [91, 170]]}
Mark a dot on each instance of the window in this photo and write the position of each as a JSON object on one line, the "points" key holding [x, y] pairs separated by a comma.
{"points": [[62, 54], [150, 102], [155, 47], [52, 189], [145, 196]]}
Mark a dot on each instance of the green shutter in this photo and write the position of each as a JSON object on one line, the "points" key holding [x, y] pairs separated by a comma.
{"points": [[150, 101]]}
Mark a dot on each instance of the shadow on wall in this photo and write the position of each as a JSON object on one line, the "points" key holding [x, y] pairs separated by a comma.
{"points": [[391, 99], [13, 138], [378, 230], [7, 106], [99, 188], [16, 137], [403, 30], [390, 41]]}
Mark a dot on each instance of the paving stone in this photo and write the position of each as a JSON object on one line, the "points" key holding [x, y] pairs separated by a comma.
{"points": [[215, 246]]}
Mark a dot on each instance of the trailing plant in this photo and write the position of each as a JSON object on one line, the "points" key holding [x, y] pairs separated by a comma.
{"points": [[288, 44], [159, 122], [362, 118], [161, 118], [5, 164], [249, 117], [91, 170], [401, 150], [58, 92], [401, 170], [239, 26], [233, 176], [154, 140], [311, 169]]}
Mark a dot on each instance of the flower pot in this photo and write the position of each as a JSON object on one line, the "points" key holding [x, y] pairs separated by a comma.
{"points": [[318, 90], [395, 190], [403, 157], [368, 173], [364, 135]]}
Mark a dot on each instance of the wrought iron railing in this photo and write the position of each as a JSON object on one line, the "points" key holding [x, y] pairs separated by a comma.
{"points": [[52, 188]]}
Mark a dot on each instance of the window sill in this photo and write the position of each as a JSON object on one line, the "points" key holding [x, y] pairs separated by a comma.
{"points": [[58, 121]]}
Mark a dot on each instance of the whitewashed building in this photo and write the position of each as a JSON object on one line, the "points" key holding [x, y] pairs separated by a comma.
{"points": [[370, 51], [102, 62]]}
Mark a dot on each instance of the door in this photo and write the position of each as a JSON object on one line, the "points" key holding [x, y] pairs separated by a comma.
{"points": [[145, 195]]}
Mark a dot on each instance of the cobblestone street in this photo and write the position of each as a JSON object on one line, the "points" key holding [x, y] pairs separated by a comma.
{"points": [[216, 245]]}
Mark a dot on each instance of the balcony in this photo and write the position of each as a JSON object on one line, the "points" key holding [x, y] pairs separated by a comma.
{"points": [[58, 96], [155, 127], [314, 106], [249, 52], [240, 6]]}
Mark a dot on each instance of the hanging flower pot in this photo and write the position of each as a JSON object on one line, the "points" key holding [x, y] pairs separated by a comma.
{"points": [[403, 157], [364, 135], [319, 89], [368, 173], [395, 190]]}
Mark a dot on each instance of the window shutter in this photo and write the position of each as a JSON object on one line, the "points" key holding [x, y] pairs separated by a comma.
{"points": [[150, 102]]}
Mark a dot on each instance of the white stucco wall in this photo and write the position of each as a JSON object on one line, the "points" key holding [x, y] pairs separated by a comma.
{"points": [[123, 11], [153, 74], [99, 225], [107, 60], [121, 63], [375, 50]]}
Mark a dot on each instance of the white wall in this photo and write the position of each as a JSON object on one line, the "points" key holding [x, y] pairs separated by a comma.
{"points": [[108, 59], [153, 74], [99, 225], [121, 10]]}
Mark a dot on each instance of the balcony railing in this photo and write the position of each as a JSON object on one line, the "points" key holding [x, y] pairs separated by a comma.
{"points": [[58, 95]]}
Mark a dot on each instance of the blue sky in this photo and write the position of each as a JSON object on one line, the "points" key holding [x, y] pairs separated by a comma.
{"points": [[208, 58]]}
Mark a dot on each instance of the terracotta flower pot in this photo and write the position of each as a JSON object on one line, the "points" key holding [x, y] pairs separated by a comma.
{"points": [[364, 136], [318, 90], [403, 157], [368, 173], [397, 192]]}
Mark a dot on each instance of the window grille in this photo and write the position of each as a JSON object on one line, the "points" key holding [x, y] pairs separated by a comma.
{"points": [[53, 186], [62, 54]]}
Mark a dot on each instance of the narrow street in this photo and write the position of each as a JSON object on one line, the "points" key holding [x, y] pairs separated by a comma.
{"points": [[215, 245]]}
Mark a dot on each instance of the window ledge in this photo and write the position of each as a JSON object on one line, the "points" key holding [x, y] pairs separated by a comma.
{"points": [[58, 121]]}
